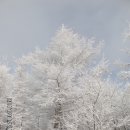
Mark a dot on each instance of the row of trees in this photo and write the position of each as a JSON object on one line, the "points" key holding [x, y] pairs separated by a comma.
{"points": [[65, 87]]}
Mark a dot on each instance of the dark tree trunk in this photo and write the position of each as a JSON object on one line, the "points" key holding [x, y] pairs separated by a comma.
{"points": [[125, 128], [58, 117], [21, 125], [94, 125]]}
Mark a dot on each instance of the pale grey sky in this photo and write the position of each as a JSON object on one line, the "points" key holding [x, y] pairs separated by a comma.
{"points": [[26, 24]]}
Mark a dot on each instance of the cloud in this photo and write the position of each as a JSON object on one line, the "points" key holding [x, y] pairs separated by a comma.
{"points": [[26, 24]]}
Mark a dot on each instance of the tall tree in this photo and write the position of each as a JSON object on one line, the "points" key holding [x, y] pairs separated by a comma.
{"points": [[53, 73]]}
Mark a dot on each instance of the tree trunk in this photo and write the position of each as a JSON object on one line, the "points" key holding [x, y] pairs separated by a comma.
{"points": [[125, 128], [94, 125], [115, 122], [58, 124], [21, 125]]}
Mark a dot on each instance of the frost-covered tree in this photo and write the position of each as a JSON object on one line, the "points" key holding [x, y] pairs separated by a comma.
{"points": [[98, 99], [5, 92], [124, 104], [67, 87], [22, 95], [52, 77]]}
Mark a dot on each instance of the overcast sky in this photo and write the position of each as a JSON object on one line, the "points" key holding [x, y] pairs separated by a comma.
{"points": [[26, 24]]}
